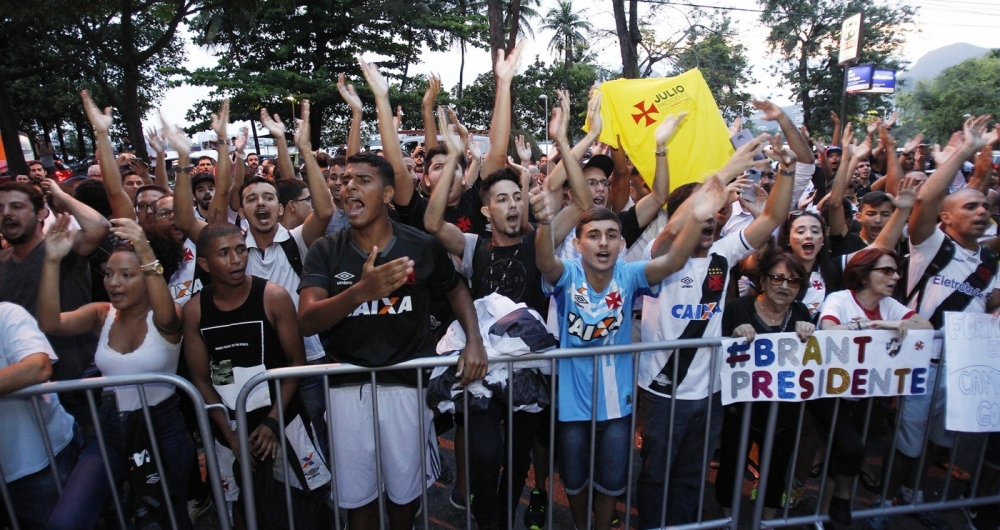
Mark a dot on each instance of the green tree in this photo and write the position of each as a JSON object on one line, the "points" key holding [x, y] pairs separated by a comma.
{"points": [[723, 63], [805, 34], [570, 29], [938, 107]]}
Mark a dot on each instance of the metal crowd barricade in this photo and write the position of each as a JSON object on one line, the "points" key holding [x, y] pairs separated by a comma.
{"points": [[784, 519], [35, 392]]}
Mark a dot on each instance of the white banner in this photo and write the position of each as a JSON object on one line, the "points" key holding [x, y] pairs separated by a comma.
{"points": [[857, 364], [972, 359]]}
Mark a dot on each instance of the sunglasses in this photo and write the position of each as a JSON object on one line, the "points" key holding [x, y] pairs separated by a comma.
{"points": [[777, 279]]}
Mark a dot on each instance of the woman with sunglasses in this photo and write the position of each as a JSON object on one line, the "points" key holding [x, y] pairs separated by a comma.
{"points": [[870, 277], [774, 310]]}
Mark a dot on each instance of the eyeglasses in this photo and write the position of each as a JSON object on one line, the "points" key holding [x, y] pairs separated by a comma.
{"points": [[888, 271], [140, 207], [593, 183], [309, 198], [164, 213], [777, 279]]}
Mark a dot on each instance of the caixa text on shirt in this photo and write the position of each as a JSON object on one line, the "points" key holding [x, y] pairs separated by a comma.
{"points": [[695, 311], [385, 306], [577, 327]]}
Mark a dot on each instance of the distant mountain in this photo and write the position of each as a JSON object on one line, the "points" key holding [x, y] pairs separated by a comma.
{"points": [[934, 62]]}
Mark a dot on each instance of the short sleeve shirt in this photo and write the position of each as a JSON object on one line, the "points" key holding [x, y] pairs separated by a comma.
{"points": [[389, 330], [467, 215], [23, 445], [842, 307], [586, 319]]}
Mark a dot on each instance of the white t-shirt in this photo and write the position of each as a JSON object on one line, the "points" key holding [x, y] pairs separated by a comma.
{"points": [[272, 265], [951, 277], [665, 318], [815, 292], [23, 450], [183, 283], [842, 307]]}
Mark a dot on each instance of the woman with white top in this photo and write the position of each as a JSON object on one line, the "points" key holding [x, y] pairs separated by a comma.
{"points": [[870, 277], [140, 332]]}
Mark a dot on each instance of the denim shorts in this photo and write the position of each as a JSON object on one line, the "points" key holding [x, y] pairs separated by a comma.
{"points": [[611, 457]]}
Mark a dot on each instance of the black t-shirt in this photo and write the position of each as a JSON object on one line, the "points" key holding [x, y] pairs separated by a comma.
{"points": [[467, 215], [742, 311], [509, 271], [631, 231], [390, 330], [852, 242]]}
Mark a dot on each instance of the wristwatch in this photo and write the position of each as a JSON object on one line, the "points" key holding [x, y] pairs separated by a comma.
{"points": [[184, 169], [787, 172], [153, 269]]}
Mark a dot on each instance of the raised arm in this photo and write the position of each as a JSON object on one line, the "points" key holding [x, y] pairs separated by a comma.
{"points": [[277, 129], [797, 143], [58, 244], [351, 97], [618, 195], [555, 179], [160, 171], [582, 197], [923, 220], [894, 171], [505, 68], [391, 149], [319, 311], [779, 201], [184, 218], [166, 314], [836, 128], [93, 226], [852, 154], [121, 205], [705, 202], [543, 203], [315, 224], [905, 197], [218, 208], [450, 236], [983, 170], [239, 172], [427, 105], [649, 206]]}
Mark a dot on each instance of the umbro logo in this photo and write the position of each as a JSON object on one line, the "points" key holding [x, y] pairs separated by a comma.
{"points": [[687, 281], [344, 278]]}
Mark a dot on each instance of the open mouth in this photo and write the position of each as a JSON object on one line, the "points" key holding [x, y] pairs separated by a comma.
{"points": [[116, 297], [262, 215], [603, 256], [598, 200], [237, 274], [10, 225], [354, 207], [809, 248]]}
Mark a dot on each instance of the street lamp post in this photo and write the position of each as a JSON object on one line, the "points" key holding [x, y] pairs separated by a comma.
{"points": [[545, 124]]}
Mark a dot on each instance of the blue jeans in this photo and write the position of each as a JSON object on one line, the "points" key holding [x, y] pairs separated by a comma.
{"points": [[685, 456], [311, 391], [35, 495], [88, 491], [613, 449]]}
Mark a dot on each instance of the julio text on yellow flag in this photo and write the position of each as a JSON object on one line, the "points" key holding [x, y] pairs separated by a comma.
{"points": [[632, 109]]}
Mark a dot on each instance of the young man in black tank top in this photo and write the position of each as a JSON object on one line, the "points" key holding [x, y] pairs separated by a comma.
{"points": [[237, 327]]}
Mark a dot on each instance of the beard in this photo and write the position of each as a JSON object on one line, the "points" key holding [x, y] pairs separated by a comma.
{"points": [[24, 236]]}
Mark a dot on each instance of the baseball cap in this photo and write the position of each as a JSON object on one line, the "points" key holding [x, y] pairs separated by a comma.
{"points": [[834, 149], [198, 178], [602, 162]]}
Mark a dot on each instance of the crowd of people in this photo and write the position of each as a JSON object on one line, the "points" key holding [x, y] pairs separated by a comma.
{"points": [[241, 265]]}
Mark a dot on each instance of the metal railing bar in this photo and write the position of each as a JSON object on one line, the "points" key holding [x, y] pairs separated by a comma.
{"points": [[44, 431], [423, 451], [284, 454], [379, 480], [157, 457]]}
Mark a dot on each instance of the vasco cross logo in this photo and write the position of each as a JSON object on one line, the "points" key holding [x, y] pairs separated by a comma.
{"points": [[645, 113]]}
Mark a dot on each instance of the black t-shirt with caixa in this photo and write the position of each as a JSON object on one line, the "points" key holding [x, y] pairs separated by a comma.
{"points": [[390, 330]]}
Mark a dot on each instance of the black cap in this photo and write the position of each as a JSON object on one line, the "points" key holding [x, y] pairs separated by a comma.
{"points": [[198, 178], [602, 162]]}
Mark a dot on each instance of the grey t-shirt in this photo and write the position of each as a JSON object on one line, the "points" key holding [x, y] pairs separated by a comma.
{"points": [[19, 282]]}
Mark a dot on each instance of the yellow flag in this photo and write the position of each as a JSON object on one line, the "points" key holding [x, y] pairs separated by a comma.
{"points": [[632, 109]]}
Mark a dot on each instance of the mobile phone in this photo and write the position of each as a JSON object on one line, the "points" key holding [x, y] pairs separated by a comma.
{"points": [[742, 138], [750, 193]]}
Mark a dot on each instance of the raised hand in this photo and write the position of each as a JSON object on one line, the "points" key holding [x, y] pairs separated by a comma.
{"points": [[836, 119], [891, 120], [302, 132], [523, 148], [873, 126], [155, 141], [178, 140], [736, 126], [101, 121], [129, 230], [348, 93], [241, 140], [943, 155], [785, 157], [544, 204], [60, 237], [273, 125], [886, 138], [463, 133], [771, 111], [847, 138], [433, 89], [906, 194], [57, 196], [506, 67], [448, 134], [220, 121], [594, 113], [665, 131], [378, 84], [756, 206], [558, 128], [863, 150], [379, 282], [912, 145], [974, 132], [709, 198], [742, 159]]}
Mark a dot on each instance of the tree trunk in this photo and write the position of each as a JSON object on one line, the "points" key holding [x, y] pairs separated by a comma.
{"points": [[495, 11], [515, 22], [461, 79], [81, 145], [316, 124], [629, 51], [567, 59], [16, 165], [131, 114], [62, 143], [804, 98]]}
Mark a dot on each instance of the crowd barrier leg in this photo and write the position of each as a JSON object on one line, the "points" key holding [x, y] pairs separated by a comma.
{"points": [[707, 452], [422, 434], [552, 444], [794, 461], [8, 502], [826, 459], [47, 442], [632, 435], [466, 457], [102, 446], [378, 455], [765, 464], [157, 458], [741, 464], [927, 430], [510, 448], [670, 444], [593, 446], [864, 443], [285, 450], [331, 462]]}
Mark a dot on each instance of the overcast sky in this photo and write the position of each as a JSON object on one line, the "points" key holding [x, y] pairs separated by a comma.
{"points": [[938, 23]]}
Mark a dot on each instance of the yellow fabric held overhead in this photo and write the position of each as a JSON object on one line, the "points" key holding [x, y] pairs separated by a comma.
{"points": [[632, 109]]}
